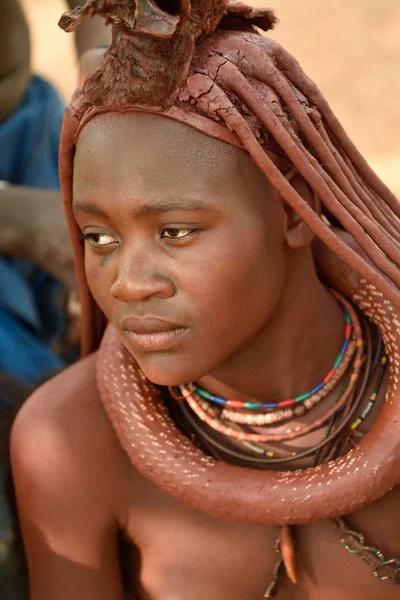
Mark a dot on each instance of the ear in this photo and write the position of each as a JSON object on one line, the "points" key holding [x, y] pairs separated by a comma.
{"points": [[298, 234]]}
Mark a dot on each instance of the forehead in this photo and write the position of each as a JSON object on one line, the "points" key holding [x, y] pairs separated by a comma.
{"points": [[154, 150], [129, 129]]}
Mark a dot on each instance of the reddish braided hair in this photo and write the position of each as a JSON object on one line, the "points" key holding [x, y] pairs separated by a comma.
{"points": [[205, 58]]}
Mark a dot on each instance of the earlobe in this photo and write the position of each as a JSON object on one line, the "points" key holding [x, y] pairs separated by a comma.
{"points": [[298, 234]]}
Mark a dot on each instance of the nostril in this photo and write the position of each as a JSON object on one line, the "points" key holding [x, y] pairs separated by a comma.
{"points": [[172, 7]]}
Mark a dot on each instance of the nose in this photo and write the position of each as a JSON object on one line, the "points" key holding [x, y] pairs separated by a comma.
{"points": [[138, 279]]}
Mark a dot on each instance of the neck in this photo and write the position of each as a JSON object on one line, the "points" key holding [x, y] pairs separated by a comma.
{"points": [[293, 352]]}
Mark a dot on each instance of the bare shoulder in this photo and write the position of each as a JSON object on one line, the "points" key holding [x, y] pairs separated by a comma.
{"points": [[72, 389], [67, 468], [66, 408], [63, 441]]}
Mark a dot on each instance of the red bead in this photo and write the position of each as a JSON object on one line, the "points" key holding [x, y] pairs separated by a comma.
{"points": [[286, 403], [347, 331], [234, 404], [329, 376]]}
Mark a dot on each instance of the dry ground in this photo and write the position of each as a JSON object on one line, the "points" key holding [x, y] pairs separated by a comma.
{"points": [[350, 47]]}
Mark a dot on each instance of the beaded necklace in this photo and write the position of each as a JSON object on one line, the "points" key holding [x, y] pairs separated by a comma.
{"points": [[339, 416], [299, 410], [273, 456], [319, 390], [373, 397], [194, 400]]}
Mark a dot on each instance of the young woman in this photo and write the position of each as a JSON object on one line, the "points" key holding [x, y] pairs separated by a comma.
{"points": [[213, 445]]}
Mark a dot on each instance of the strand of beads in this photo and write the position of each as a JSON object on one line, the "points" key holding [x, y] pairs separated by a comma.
{"points": [[290, 434], [270, 418], [268, 454], [316, 394], [373, 397], [262, 450], [193, 399]]}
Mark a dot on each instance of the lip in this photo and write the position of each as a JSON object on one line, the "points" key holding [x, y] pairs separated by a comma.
{"points": [[151, 334]]}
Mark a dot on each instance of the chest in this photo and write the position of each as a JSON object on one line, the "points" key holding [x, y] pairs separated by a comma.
{"points": [[181, 554]]}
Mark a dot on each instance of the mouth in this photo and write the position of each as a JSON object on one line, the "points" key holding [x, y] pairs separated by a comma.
{"points": [[152, 335]]}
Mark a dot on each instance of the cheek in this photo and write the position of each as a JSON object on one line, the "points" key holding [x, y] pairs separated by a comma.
{"points": [[99, 275], [240, 284]]}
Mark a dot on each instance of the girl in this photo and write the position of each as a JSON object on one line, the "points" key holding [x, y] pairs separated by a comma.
{"points": [[213, 445]]}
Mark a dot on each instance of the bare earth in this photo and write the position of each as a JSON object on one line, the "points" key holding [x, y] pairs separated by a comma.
{"points": [[352, 49]]}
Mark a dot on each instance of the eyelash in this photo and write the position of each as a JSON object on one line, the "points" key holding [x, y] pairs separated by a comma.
{"points": [[90, 236], [177, 229]]}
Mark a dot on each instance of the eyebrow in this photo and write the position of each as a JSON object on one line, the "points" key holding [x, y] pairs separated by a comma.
{"points": [[145, 209]]}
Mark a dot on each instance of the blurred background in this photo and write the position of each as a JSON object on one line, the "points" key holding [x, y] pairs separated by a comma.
{"points": [[351, 49]]}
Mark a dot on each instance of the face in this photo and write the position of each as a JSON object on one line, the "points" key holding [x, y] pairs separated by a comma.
{"points": [[184, 243]]}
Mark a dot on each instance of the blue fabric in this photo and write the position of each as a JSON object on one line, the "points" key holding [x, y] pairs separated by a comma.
{"points": [[29, 317], [29, 138]]}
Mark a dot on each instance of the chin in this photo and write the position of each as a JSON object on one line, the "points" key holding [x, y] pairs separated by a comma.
{"points": [[170, 369]]}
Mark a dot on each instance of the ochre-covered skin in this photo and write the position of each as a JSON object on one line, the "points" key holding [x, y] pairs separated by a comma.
{"points": [[246, 90]]}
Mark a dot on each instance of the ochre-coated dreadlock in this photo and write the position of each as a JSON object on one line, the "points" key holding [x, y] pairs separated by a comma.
{"points": [[204, 58]]}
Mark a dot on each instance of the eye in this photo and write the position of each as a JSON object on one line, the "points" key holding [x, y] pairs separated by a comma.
{"points": [[100, 240], [176, 233]]}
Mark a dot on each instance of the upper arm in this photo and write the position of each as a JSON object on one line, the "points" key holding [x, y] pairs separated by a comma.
{"points": [[70, 534]]}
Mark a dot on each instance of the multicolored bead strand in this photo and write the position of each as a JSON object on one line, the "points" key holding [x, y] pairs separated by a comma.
{"points": [[238, 404], [271, 418], [270, 454], [193, 399], [373, 397]]}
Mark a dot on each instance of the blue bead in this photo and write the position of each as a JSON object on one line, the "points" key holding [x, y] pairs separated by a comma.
{"points": [[274, 405], [317, 389], [218, 400], [344, 347]]}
